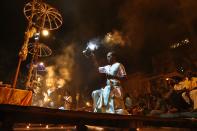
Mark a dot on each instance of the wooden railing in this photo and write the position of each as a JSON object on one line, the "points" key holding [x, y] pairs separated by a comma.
{"points": [[12, 114]]}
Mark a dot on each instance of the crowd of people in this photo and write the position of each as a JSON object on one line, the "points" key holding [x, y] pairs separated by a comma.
{"points": [[177, 96]]}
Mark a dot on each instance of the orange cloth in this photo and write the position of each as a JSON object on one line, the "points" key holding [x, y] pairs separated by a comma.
{"points": [[15, 96]]}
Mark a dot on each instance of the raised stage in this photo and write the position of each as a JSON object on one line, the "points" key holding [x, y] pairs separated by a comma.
{"points": [[13, 114]]}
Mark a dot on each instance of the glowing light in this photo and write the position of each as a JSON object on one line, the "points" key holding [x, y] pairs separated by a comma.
{"points": [[88, 104], [45, 32], [95, 128], [49, 82], [137, 129], [62, 127], [92, 46], [47, 126], [27, 127], [41, 64], [179, 44], [46, 97], [167, 79], [39, 79], [77, 96]]}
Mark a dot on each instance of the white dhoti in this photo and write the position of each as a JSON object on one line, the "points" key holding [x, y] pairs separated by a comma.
{"points": [[110, 98]]}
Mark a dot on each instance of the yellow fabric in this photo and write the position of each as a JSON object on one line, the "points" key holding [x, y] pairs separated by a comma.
{"points": [[15, 96], [194, 82], [190, 84], [187, 84]]}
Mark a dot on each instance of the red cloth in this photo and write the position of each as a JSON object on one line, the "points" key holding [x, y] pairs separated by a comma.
{"points": [[15, 96]]}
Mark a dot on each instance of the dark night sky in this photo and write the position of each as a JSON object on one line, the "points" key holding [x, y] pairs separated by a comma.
{"points": [[149, 26]]}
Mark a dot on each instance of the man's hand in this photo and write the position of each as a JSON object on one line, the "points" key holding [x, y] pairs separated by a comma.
{"points": [[102, 70]]}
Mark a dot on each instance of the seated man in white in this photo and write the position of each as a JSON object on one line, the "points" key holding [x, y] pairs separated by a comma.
{"points": [[110, 98]]}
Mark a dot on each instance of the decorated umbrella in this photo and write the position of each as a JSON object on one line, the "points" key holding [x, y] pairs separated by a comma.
{"points": [[42, 49], [46, 17]]}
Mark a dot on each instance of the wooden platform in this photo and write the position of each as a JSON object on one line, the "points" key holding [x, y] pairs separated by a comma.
{"points": [[11, 114]]}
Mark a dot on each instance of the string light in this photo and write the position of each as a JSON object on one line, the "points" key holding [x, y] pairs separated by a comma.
{"points": [[179, 44]]}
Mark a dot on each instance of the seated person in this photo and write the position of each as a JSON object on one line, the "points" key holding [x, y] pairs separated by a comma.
{"points": [[110, 98], [189, 87]]}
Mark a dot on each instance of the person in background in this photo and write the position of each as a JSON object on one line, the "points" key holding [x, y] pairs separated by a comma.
{"points": [[190, 94], [128, 101], [67, 101]]}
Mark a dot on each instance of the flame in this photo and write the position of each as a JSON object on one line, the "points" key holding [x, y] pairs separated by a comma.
{"points": [[46, 97]]}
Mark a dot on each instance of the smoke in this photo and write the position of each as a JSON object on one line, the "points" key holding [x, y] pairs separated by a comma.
{"points": [[150, 25], [148, 22], [110, 40], [65, 62], [132, 15], [114, 38], [58, 77], [50, 76], [60, 72]]}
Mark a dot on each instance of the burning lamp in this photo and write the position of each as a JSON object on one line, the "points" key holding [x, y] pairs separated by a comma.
{"points": [[91, 47]]}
